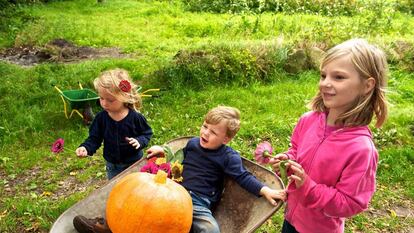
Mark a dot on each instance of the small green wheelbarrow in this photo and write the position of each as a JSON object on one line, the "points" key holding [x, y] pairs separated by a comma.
{"points": [[79, 101]]}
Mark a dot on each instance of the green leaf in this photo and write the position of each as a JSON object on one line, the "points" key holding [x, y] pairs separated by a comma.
{"points": [[172, 157], [283, 171]]}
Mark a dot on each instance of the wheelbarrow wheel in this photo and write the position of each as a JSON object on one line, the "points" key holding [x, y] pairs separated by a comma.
{"points": [[88, 114]]}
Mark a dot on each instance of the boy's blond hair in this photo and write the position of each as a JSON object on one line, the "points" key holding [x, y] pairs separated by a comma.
{"points": [[110, 80], [370, 62], [228, 114]]}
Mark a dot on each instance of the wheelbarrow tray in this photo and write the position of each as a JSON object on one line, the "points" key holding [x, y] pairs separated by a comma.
{"points": [[78, 98], [237, 211]]}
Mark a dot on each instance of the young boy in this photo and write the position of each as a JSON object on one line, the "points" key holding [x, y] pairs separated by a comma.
{"points": [[207, 160]]}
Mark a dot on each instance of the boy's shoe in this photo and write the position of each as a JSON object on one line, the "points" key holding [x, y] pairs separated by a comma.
{"points": [[90, 225]]}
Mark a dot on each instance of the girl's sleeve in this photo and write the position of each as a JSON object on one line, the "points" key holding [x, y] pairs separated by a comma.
{"points": [[95, 138], [145, 131], [353, 192]]}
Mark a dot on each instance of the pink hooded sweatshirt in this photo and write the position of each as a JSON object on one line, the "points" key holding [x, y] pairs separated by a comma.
{"points": [[340, 170]]}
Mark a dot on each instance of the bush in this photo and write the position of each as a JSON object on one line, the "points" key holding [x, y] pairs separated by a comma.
{"points": [[221, 65], [320, 7]]}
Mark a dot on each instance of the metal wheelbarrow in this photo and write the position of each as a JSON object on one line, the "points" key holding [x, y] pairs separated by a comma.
{"points": [[237, 212]]}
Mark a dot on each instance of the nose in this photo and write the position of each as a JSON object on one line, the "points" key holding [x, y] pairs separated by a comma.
{"points": [[325, 82]]}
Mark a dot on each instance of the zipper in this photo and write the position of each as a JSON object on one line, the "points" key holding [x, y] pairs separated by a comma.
{"points": [[311, 163]]}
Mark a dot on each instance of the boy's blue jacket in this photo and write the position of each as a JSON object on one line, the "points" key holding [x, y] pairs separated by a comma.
{"points": [[112, 133], [204, 170]]}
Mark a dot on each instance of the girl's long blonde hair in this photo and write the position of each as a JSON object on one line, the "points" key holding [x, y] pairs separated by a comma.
{"points": [[110, 80], [370, 62]]}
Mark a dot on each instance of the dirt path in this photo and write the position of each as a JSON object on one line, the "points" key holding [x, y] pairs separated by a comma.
{"points": [[59, 51]]}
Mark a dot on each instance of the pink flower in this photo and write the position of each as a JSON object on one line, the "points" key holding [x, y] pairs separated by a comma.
{"points": [[150, 167], [165, 167], [125, 86], [263, 152], [57, 146]]}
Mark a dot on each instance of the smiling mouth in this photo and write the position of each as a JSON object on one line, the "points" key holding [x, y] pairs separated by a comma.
{"points": [[327, 95]]}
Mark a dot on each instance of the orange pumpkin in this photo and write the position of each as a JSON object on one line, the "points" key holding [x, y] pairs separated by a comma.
{"points": [[147, 203]]}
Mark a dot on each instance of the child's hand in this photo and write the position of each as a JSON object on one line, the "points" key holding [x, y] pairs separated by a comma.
{"points": [[81, 152], [275, 161], [154, 151], [272, 194], [134, 142], [299, 175]]}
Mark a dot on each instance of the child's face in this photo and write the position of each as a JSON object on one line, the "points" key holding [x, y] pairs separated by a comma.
{"points": [[340, 85], [109, 102], [213, 136]]}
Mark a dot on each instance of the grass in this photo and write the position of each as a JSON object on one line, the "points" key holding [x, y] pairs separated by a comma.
{"points": [[36, 186]]}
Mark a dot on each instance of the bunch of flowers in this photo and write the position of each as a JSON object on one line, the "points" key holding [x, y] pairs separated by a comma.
{"points": [[174, 169]]}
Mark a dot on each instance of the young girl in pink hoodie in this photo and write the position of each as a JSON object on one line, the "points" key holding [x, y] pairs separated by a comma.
{"points": [[332, 158]]}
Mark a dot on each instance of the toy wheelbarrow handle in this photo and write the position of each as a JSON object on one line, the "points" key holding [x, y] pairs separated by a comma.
{"points": [[57, 89]]}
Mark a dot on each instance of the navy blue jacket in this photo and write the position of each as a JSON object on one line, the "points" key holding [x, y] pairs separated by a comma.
{"points": [[204, 170], [112, 133]]}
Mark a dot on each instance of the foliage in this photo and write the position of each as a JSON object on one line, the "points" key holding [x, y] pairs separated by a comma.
{"points": [[12, 19], [221, 66], [322, 7]]}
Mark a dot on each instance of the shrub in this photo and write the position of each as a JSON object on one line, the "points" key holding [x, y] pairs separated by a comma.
{"points": [[221, 65], [320, 7]]}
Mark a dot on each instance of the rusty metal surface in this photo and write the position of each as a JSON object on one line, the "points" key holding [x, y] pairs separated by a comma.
{"points": [[237, 212]]}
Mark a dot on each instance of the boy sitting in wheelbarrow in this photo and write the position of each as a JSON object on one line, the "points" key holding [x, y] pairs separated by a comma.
{"points": [[207, 160]]}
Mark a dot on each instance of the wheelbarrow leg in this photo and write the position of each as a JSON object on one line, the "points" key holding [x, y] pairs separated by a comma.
{"points": [[87, 114]]}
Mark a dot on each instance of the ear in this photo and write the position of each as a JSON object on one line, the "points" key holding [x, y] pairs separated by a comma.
{"points": [[226, 140], [369, 85]]}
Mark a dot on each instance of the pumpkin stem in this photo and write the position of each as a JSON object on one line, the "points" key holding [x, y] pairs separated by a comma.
{"points": [[160, 177]]}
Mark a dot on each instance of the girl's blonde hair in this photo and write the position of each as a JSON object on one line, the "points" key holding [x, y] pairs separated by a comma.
{"points": [[111, 79], [369, 61], [228, 114]]}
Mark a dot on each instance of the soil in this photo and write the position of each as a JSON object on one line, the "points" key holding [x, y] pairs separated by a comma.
{"points": [[58, 51]]}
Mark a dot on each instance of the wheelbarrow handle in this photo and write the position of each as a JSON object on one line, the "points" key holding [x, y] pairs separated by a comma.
{"points": [[149, 90], [58, 89]]}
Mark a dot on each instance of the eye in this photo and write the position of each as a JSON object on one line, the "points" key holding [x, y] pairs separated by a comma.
{"points": [[323, 76], [339, 77]]}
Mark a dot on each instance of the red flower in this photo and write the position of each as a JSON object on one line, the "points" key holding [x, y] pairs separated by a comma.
{"points": [[57, 146], [152, 159], [165, 167], [125, 86], [263, 152], [150, 167]]}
